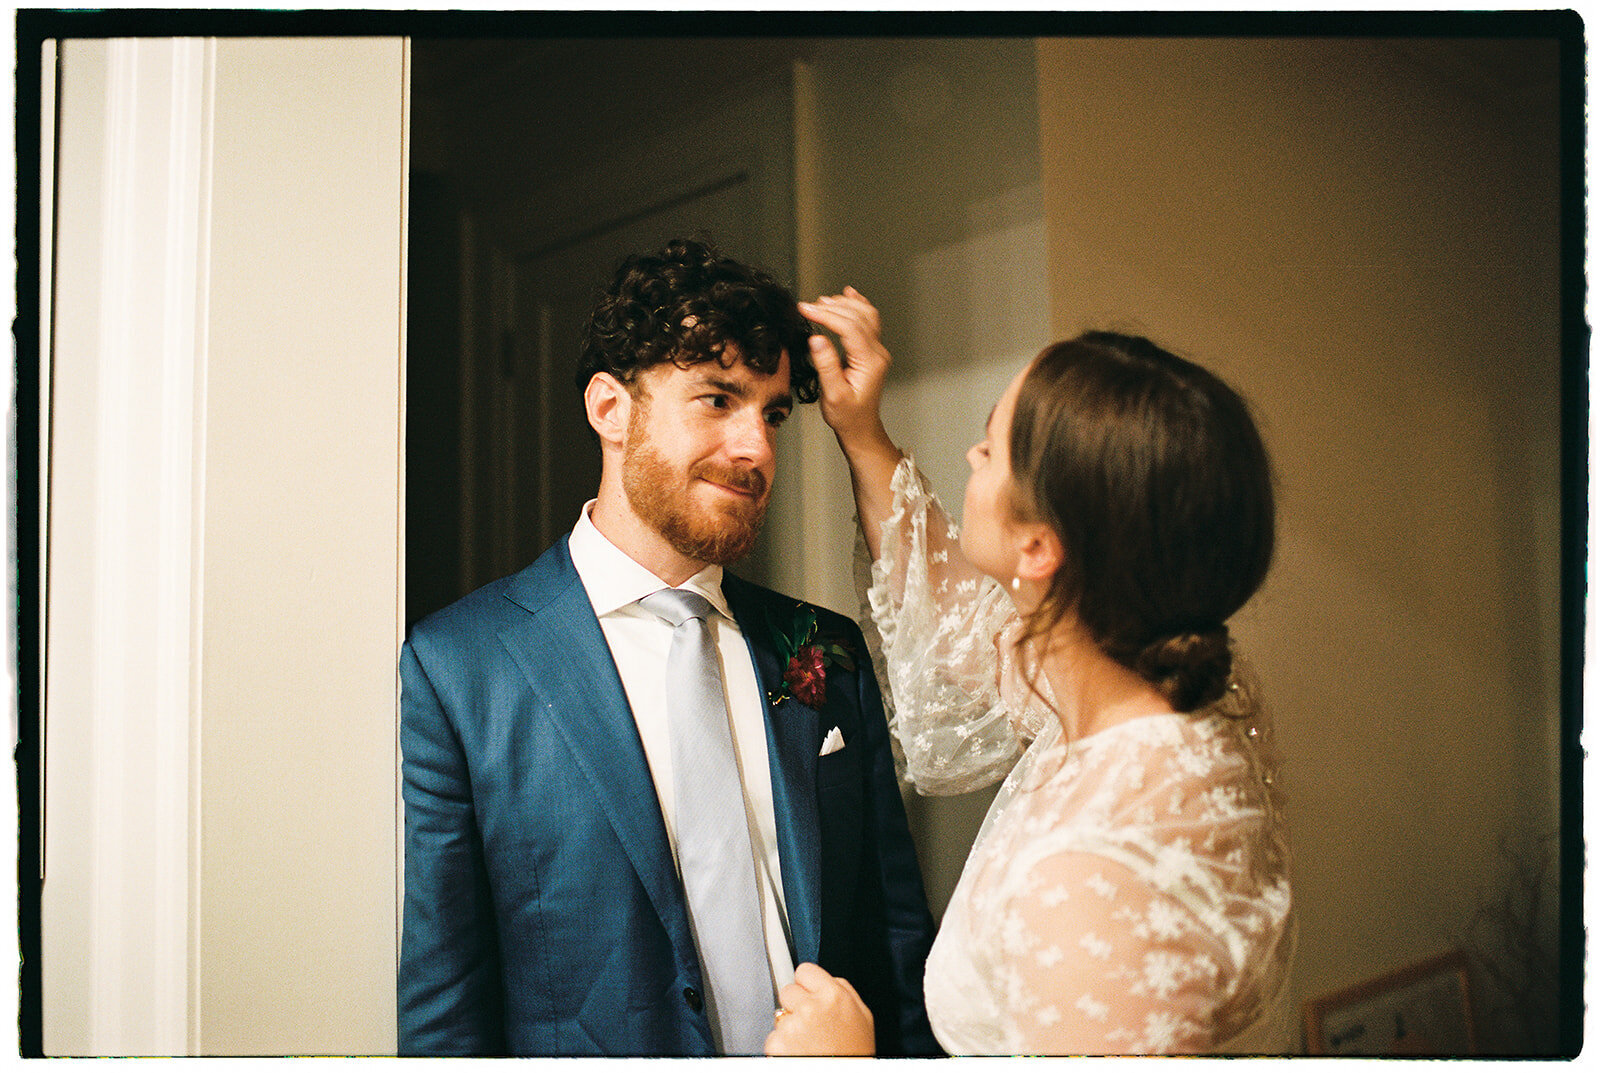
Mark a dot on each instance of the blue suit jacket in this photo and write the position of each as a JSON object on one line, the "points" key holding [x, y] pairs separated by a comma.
{"points": [[543, 914]]}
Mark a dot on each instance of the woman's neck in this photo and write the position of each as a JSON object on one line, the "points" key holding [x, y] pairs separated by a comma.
{"points": [[1093, 691]]}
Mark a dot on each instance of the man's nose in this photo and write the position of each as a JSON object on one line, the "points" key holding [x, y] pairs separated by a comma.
{"points": [[753, 440]]}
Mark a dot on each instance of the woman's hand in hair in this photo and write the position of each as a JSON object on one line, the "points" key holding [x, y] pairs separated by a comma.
{"points": [[852, 387]]}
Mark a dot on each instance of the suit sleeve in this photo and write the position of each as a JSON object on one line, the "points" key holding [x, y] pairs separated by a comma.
{"points": [[895, 907], [449, 988]]}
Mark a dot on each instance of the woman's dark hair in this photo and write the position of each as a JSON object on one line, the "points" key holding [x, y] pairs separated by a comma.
{"points": [[1153, 474], [685, 304]]}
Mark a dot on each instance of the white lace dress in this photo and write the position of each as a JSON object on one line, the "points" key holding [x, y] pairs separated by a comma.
{"points": [[1128, 892]]}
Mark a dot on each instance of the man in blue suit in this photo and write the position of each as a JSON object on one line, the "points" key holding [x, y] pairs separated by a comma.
{"points": [[545, 855]]}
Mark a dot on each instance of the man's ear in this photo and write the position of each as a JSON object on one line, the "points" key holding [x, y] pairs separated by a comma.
{"points": [[607, 402], [1039, 552]]}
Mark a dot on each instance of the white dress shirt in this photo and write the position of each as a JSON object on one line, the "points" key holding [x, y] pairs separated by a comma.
{"points": [[639, 641]]}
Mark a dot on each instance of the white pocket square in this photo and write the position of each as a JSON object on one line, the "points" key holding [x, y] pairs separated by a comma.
{"points": [[832, 743]]}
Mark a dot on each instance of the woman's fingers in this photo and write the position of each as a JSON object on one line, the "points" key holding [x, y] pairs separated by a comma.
{"points": [[814, 978], [849, 311], [830, 367], [824, 312], [851, 382], [855, 322], [858, 305], [841, 395], [824, 1016]]}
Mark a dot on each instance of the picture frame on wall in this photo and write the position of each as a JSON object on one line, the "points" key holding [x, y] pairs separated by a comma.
{"points": [[1424, 1009]]}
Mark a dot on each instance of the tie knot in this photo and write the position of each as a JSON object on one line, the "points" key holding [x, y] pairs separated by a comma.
{"points": [[677, 606]]}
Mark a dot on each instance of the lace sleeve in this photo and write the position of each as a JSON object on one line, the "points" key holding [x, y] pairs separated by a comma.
{"points": [[958, 711]]}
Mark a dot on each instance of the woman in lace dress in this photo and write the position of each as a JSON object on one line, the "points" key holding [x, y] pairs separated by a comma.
{"points": [[1128, 892]]}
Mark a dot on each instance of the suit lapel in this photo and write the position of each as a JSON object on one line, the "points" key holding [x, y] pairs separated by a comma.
{"points": [[792, 743], [563, 653]]}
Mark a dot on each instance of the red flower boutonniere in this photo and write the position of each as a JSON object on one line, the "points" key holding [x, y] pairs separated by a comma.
{"points": [[805, 658]]}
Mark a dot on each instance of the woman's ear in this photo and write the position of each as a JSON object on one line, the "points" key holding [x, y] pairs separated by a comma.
{"points": [[607, 403], [1039, 552]]}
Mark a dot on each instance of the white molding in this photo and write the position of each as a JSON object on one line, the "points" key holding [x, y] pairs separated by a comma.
{"points": [[47, 184], [201, 433], [400, 501], [144, 365]]}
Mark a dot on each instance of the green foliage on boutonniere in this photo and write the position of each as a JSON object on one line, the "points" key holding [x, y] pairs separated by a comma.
{"points": [[804, 656]]}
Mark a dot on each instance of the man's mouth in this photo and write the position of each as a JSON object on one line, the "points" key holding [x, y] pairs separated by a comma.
{"points": [[751, 484]]}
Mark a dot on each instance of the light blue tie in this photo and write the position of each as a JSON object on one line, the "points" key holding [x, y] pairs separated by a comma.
{"points": [[713, 834]]}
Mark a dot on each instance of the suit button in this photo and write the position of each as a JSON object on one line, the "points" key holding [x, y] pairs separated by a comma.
{"points": [[692, 997]]}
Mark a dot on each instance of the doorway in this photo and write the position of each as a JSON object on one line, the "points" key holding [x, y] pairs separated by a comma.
{"points": [[537, 168]]}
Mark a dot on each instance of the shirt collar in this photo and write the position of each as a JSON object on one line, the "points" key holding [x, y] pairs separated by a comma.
{"points": [[614, 580]]}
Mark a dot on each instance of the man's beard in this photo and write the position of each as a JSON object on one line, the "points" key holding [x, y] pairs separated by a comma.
{"points": [[660, 497]]}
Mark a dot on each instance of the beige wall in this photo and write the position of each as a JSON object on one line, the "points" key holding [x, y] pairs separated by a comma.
{"points": [[1363, 237]]}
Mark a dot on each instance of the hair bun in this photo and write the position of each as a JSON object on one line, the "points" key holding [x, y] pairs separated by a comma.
{"points": [[1190, 669]]}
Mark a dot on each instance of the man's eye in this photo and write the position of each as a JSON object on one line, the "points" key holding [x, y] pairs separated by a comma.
{"points": [[777, 417], [717, 402]]}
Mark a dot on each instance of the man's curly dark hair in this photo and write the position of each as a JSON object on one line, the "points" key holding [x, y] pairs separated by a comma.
{"points": [[685, 304]]}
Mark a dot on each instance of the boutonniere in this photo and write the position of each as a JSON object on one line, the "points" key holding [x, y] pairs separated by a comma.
{"points": [[805, 657]]}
